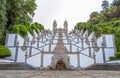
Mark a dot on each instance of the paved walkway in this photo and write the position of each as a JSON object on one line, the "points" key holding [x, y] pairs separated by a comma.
{"points": [[58, 74]]}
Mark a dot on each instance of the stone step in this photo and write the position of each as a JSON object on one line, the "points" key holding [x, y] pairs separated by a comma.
{"points": [[16, 66], [104, 67]]}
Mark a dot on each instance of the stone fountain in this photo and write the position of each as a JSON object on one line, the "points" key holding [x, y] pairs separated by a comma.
{"points": [[60, 59]]}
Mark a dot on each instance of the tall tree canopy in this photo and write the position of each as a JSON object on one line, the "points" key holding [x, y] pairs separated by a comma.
{"points": [[116, 3], [20, 11], [14, 12], [105, 22], [105, 4], [3, 19]]}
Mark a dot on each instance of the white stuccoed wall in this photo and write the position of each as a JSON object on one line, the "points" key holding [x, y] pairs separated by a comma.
{"points": [[36, 60]]}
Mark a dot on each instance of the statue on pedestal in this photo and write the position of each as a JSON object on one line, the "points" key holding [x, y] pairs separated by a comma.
{"points": [[66, 26], [54, 26]]}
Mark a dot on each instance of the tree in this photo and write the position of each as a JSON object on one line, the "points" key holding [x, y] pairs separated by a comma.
{"points": [[13, 12], [105, 22], [21, 30], [116, 3], [37, 27], [3, 20], [4, 52], [93, 18], [82, 26], [20, 12], [105, 5]]}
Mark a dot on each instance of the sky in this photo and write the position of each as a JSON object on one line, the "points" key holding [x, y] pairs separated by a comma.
{"points": [[73, 11]]}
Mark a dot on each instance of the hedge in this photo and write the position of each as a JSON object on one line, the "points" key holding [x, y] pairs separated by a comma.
{"points": [[112, 58], [117, 54], [21, 30], [4, 52]]}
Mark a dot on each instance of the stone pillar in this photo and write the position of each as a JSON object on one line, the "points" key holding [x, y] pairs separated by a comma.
{"points": [[78, 37], [94, 57], [42, 58], [103, 49], [82, 43], [50, 46], [66, 26], [26, 56], [15, 40], [114, 46], [33, 39], [70, 46], [90, 51], [45, 34], [68, 40], [30, 50], [42, 36], [92, 42], [38, 40], [78, 57], [38, 44], [16, 54], [103, 53], [52, 38], [54, 26], [24, 46]]}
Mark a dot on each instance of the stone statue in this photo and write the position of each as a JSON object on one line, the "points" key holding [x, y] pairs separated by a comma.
{"points": [[66, 26], [54, 26], [96, 48], [86, 39]]}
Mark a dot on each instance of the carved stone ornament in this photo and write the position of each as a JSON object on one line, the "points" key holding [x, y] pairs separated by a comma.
{"points": [[86, 39], [33, 40], [96, 48], [60, 55], [24, 46]]}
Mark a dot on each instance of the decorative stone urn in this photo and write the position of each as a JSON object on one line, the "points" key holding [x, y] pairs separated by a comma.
{"points": [[60, 56]]}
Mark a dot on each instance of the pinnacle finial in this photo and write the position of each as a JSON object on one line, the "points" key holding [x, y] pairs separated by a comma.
{"points": [[65, 23], [54, 23]]}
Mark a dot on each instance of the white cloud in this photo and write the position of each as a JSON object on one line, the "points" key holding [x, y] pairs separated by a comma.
{"points": [[72, 10]]}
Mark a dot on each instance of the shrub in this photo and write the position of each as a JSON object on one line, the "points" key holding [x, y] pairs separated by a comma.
{"points": [[112, 58], [21, 30], [117, 54], [4, 52], [29, 29]]}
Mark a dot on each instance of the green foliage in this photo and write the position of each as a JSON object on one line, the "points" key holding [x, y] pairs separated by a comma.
{"points": [[105, 22], [37, 27], [29, 28], [116, 23], [117, 54], [82, 26], [4, 52], [21, 30], [15, 12], [106, 30], [116, 3], [3, 20], [105, 5], [112, 58], [93, 18], [20, 11]]}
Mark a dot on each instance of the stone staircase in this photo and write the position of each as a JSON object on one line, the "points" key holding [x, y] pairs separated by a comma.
{"points": [[16, 66], [113, 66]]}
